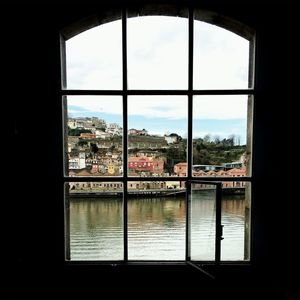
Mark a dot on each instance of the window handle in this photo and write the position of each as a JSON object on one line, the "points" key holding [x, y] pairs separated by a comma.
{"points": [[221, 233]]}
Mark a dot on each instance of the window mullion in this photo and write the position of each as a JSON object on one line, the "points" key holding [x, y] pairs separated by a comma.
{"points": [[190, 94], [218, 228], [125, 130], [190, 127]]}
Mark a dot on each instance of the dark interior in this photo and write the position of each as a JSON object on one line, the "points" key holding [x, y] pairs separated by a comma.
{"points": [[36, 253]]}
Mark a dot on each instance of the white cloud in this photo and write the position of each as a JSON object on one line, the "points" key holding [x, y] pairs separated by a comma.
{"points": [[212, 134], [94, 58], [157, 53], [221, 58], [157, 58], [169, 107], [220, 107], [96, 104]]}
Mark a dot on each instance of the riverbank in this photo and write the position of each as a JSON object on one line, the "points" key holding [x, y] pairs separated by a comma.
{"points": [[146, 193], [131, 193]]}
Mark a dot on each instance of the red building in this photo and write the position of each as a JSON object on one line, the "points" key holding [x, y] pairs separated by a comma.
{"points": [[145, 164], [140, 164]]}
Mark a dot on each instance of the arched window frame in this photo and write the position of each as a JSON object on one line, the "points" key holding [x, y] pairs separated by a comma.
{"points": [[192, 14]]}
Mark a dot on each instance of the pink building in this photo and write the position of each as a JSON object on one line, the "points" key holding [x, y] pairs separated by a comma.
{"points": [[180, 169], [146, 164]]}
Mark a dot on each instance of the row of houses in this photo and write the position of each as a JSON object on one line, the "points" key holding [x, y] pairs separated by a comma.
{"points": [[146, 185], [101, 129], [228, 170], [110, 163]]}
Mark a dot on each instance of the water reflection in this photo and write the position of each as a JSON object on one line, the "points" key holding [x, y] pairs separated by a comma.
{"points": [[96, 229], [156, 228], [202, 224], [233, 219]]}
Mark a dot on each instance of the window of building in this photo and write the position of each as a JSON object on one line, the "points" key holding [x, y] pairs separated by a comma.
{"points": [[156, 106]]}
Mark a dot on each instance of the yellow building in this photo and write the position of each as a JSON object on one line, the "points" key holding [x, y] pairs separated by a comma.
{"points": [[172, 184], [111, 169]]}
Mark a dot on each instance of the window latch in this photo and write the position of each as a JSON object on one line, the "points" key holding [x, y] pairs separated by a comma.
{"points": [[221, 233]]}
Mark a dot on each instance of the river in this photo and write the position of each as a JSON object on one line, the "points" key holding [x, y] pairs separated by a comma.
{"points": [[156, 228]]}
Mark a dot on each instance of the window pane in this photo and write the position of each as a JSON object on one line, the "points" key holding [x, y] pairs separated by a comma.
{"points": [[202, 221], [236, 221], [95, 220], [222, 136], [221, 58], [156, 220], [157, 135], [94, 58], [93, 135], [157, 52]]}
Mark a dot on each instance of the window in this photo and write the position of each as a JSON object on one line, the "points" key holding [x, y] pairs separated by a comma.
{"points": [[155, 107]]}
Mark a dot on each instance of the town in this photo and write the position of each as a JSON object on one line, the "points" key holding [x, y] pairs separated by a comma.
{"points": [[94, 148]]}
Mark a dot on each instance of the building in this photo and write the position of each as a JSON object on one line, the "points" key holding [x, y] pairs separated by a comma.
{"points": [[138, 164], [145, 164], [134, 131], [180, 169], [114, 129], [87, 136], [207, 168], [235, 164], [102, 134], [72, 123], [111, 169], [172, 138], [77, 163]]}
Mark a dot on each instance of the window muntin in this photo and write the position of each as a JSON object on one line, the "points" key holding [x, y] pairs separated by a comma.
{"points": [[191, 93]]}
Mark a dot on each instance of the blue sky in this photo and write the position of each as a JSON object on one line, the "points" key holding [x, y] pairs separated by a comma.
{"points": [[161, 126], [157, 59], [215, 115]]}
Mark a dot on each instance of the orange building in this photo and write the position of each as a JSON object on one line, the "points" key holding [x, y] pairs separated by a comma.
{"points": [[180, 169], [87, 136]]}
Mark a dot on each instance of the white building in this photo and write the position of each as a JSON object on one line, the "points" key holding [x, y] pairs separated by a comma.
{"points": [[172, 138], [72, 123], [114, 129], [77, 163], [102, 135]]}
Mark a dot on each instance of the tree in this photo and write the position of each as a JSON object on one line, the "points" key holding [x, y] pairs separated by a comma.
{"points": [[207, 138], [82, 143], [94, 148], [217, 139], [77, 131], [231, 139]]}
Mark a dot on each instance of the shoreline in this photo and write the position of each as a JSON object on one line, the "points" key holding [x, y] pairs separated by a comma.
{"points": [[146, 193]]}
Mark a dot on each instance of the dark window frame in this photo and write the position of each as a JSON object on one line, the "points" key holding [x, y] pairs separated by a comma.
{"points": [[193, 14]]}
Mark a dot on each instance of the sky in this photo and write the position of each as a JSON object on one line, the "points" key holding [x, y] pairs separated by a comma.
{"points": [[158, 59]]}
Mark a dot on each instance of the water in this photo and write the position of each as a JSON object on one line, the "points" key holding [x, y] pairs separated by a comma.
{"points": [[156, 228]]}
